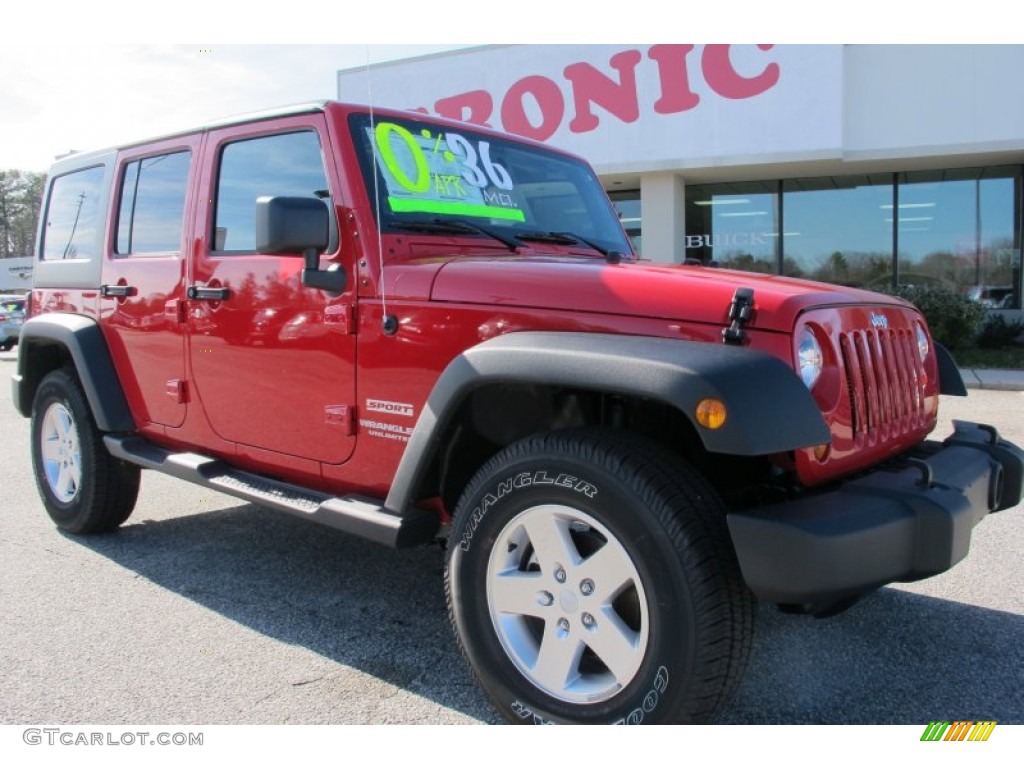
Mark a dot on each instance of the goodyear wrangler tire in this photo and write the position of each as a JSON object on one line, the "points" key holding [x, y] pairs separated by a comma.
{"points": [[590, 579], [84, 488]]}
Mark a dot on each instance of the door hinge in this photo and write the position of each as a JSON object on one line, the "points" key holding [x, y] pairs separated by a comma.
{"points": [[341, 416], [178, 389], [342, 317], [174, 310]]}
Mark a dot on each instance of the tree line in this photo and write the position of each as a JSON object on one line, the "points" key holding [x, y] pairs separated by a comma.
{"points": [[21, 193]]}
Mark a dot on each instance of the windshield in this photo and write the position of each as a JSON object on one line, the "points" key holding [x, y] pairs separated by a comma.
{"points": [[463, 182]]}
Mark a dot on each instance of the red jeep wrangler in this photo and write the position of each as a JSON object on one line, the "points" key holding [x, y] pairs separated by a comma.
{"points": [[417, 330]]}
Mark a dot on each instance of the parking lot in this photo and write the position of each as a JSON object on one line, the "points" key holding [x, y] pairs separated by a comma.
{"points": [[203, 609]]}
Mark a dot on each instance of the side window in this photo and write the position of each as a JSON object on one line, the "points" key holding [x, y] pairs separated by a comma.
{"points": [[289, 164], [153, 204], [73, 216]]}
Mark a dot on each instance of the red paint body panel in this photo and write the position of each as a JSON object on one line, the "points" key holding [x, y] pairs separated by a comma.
{"points": [[699, 294]]}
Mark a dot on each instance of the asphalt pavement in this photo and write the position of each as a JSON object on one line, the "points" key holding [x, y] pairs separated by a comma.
{"points": [[204, 610]]}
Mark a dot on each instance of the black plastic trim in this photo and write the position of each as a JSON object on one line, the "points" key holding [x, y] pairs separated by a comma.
{"points": [[950, 380], [357, 515], [881, 527], [84, 342], [984, 437], [769, 408]]}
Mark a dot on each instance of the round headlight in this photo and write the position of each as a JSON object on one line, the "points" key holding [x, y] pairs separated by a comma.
{"points": [[922, 342], [809, 358]]}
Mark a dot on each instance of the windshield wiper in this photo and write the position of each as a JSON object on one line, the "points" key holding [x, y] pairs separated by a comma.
{"points": [[456, 227], [569, 238]]}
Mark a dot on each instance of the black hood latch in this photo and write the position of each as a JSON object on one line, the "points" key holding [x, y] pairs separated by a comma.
{"points": [[741, 309]]}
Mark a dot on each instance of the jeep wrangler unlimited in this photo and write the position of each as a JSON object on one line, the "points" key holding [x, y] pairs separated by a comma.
{"points": [[417, 330]]}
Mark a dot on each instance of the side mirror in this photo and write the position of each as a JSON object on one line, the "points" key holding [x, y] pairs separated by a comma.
{"points": [[287, 226]]}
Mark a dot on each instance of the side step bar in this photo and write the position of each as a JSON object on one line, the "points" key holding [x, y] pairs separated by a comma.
{"points": [[357, 515]]}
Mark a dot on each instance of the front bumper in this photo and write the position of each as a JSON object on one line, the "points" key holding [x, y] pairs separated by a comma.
{"points": [[903, 524]]}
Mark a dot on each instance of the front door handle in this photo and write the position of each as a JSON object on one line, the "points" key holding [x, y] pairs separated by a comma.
{"points": [[206, 293]]}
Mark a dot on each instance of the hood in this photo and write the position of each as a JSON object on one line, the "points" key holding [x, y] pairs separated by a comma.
{"points": [[639, 289]]}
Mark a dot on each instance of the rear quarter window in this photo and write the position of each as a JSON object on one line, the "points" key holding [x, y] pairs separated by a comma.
{"points": [[73, 216]]}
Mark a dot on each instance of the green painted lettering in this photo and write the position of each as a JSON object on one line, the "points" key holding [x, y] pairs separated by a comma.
{"points": [[383, 133]]}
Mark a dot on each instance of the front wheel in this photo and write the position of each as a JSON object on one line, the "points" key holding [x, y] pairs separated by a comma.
{"points": [[590, 579], [83, 487]]}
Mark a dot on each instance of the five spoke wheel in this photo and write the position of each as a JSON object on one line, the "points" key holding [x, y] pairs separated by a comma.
{"points": [[567, 603]]}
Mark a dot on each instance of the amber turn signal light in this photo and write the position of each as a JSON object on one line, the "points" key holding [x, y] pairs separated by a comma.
{"points": [[711, 413]]}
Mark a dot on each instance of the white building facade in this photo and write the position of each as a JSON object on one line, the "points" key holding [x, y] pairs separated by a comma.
{"points": [[866, 165], [16, 275]]}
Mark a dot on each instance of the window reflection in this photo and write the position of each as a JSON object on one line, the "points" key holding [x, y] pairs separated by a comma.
{"points": [[735, 225], [153, 204], [285, 165], [627, 206], [837, 229], [959, 229], [71, 215]]}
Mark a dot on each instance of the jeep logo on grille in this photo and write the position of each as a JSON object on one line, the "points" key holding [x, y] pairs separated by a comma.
{"points": [[879, 321]]}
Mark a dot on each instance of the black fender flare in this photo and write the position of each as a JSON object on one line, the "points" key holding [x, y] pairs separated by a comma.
{"points": [[769, 408], [84, 343], [950, 380]]}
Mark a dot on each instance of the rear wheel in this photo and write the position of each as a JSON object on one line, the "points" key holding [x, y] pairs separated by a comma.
{"points": [[590, 579], [83, 487]]}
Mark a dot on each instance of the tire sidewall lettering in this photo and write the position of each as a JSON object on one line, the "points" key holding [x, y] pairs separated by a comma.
{"points": [[518, 482], [636, 716]]}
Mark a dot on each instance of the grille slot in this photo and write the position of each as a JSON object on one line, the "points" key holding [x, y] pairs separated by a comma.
{"points": [[883, 378]]}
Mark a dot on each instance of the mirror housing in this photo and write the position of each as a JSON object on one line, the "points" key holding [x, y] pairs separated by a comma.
{"points": [[290, 225], [287, 226]]}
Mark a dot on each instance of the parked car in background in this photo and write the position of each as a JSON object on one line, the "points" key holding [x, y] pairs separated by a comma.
{"points": [[12, 315], [992, 296]]}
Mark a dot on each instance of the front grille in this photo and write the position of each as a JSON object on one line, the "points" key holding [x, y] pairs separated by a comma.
{"points": [[883, 379]]}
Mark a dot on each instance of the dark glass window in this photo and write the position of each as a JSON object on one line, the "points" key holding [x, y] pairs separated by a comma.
{"points": [[735, 225], [289, 165], [73, 215], [153, 204], [959, 229], [627, 206], [839, 229]]}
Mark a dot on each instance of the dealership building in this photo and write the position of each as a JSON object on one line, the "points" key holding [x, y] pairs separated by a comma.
{"points": [[16, 275], [868, 165]]}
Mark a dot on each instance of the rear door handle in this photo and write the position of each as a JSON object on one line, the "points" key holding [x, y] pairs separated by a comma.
{"points": [[205, 293], [117, 291]]}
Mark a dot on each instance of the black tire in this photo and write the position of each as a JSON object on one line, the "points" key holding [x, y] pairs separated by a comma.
{"points": [[665, 641], [84, 489], [7, 346]]}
